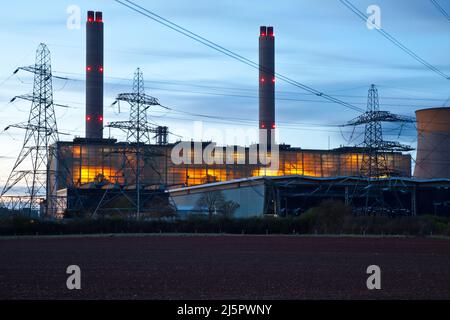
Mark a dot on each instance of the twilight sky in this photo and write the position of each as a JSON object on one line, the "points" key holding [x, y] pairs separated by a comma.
{"points": [[318, 43]]}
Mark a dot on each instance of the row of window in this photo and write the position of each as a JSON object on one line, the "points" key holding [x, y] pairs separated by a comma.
{"points": [[95, 163]]}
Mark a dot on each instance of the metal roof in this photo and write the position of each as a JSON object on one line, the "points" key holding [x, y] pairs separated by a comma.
{"points": [[308, 178]]}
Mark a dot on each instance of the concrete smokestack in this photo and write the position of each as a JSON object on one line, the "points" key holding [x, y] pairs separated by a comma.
{"points": [[94, 75], [433, 143], [266, 84]]}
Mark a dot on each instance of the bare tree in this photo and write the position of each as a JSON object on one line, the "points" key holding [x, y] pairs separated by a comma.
{"points": [[229, 208], [211, 201]]}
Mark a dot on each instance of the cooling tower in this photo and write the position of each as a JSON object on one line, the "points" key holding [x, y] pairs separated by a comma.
{"points": [[94, 75], [266, 84], [433, 143]]}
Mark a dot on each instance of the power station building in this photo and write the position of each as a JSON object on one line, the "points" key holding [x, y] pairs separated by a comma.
{"points": [[84, 161], [97, 163]]}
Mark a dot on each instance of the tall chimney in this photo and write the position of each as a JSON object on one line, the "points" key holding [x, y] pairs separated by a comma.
{"points": [[94, 75], [266, 85]]}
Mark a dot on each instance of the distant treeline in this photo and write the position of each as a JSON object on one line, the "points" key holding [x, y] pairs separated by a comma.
{"points": [[329, 218]]}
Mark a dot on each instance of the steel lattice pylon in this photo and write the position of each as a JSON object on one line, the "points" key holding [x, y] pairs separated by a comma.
{"points": [[374, 162], [41, 132], [137, 128], [138, 131], [138, 112]]}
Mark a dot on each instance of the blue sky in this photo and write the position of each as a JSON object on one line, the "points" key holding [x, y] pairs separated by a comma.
{"points": [[318, 43]]}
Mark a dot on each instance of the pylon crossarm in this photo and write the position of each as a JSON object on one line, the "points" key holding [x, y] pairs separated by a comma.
{"points": [[34, 69], [128, 125], [142, 99], [28, 126], [379, 116], [394, 146]]}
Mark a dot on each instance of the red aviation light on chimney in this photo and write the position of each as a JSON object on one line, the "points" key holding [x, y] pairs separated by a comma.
{"points": [[273, 79], [100, 69], [88, 68], [263, 126], [263, 80], [263, 31], [88, 118], [270, 32], [273, 126], [100, 118], [90, 16], [99, 17]]}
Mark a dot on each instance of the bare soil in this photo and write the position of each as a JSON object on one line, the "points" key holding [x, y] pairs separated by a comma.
{"points": [[224, 267]]}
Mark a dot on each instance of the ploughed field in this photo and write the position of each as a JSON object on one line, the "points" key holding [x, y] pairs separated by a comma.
{"points": [[224, 267]]}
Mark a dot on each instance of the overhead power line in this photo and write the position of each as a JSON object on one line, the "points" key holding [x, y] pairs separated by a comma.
{"points": [[153, 16], [224, 90], [278, 98], [385, 34], [441, 9]]}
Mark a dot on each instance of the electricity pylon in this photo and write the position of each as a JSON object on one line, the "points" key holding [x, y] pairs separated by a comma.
{"points": [[138, 129], [374, 162], [33, 163]]}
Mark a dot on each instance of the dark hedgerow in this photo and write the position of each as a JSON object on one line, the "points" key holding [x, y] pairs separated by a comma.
{"points": [[328, 218], [307, 224]]}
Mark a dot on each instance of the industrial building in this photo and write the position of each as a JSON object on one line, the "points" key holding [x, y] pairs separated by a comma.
{"points": [[98, 164], [84, 161], [291, 195]]}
